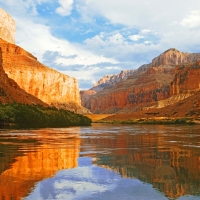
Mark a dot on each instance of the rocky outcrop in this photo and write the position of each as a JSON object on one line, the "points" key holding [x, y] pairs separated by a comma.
{"points": [[7, 27], [106, 81], [50, 86], [11, 92], [174, 57], [145, 88], [109, 80], [187, 79]]}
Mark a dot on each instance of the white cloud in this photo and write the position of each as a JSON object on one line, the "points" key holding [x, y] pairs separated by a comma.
{"points": [[116, 39], [37, 39], [156, 15], [65, 7], [144, 31], [136, 37], [192, 20]]}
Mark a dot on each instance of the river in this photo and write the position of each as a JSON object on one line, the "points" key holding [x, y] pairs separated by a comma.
{"points": [[101, 162]]}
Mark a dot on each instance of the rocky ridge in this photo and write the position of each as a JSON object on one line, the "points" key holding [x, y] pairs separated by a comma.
{"points": [[109, 80], [147, 87], [105, 81]]}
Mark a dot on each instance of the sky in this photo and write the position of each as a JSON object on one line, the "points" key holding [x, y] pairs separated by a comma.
{"points": [[88, 39]]}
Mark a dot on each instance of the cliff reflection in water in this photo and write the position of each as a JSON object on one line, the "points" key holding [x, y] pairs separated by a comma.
{"points": [[35, 155], [170, 161]]}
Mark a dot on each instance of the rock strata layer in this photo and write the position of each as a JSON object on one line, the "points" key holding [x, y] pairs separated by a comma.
{"points": [[11, 92]]}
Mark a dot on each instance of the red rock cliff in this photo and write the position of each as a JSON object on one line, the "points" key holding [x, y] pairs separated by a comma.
{"points": [[187, 79], [46, 84], [148, 85], [11, 92]]}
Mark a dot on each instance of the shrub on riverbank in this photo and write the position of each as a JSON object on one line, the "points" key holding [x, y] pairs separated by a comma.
{"points": [[35, 116]]}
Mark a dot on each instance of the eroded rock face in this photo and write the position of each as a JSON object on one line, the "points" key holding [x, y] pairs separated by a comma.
{"points": [[44, 83], [11, 92], [174, 57], [109, 80], [106, 81], [7, 27], [187, 79], [147, 86]]}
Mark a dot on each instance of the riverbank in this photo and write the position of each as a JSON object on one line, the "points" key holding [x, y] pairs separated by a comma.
{"points": [[17, 115], [130, 119]]}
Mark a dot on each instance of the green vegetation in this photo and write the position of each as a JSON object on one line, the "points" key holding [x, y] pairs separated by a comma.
{"points": [[149, 121], [35, 116]]}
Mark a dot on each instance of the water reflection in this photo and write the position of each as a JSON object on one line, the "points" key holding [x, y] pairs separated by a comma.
{"points": [[36, 155], [166, 157], [115, 162]]}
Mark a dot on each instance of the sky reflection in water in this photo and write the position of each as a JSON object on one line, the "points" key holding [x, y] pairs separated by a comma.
{"points": [[101, 162]]}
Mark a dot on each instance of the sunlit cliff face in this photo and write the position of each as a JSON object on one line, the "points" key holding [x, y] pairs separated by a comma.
{"points": [[41, 162], [7, 27], [43, 82]]}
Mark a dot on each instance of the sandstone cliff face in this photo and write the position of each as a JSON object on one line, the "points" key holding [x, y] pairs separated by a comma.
{"points": [[11, 92], [44, 83], [146, 88], [148, 85], [107, 82], [187, 79], [175, 57], [7, 27]]}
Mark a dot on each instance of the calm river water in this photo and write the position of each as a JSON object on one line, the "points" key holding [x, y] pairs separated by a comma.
{"points": [[101, 162]]}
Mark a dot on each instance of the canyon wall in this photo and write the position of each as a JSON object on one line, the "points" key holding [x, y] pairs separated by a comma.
{"points": [[105, 81], [187, 79], [7, 27], [11, 92], [109, 80], [186, 83], [44, 83], [144, 88]]}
